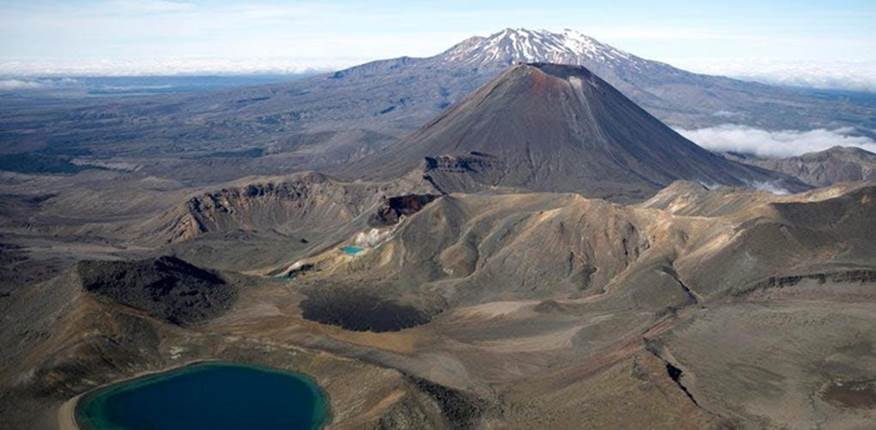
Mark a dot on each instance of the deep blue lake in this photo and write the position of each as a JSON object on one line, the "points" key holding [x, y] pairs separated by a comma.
{"points": [[207, 396]]}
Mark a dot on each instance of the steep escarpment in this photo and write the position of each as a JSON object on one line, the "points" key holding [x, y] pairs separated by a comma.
{"points": [[393, 208], [309, 202]]}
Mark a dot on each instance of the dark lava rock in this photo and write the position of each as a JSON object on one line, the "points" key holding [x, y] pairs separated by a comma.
{"points": [[361, 311], [166, 287], [462, 410], [394, 208], [848, 276]]}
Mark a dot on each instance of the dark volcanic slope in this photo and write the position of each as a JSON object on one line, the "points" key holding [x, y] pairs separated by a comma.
{"points": [[166, 287], [548, 127]]}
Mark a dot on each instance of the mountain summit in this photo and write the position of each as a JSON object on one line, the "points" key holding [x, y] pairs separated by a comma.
{"points": [[550, 127], [511, 46]]}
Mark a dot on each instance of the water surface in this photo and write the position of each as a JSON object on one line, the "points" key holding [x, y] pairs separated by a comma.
{"points": [[214, 396], [352, 250]]}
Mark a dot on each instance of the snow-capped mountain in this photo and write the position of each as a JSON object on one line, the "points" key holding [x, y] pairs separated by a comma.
{"points": [[675, 96], [634, 76], [521, 45], [394, 96], [336, 117]]}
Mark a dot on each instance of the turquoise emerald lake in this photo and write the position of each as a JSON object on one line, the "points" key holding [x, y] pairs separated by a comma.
{"points": [[352, 250], [215, 396]]}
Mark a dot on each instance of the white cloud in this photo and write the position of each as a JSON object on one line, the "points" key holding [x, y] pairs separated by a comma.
{"points": [[148, 6], [765, 143], [19, 84], [834, 74], [770, 187], [663, 33], [171, 66], [47, 35], [255, 36]]}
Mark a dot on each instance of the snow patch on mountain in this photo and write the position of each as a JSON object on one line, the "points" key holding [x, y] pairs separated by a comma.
{"points": [[521, 45]]}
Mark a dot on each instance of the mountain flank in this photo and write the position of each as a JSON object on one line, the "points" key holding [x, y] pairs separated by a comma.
{"points": [[556, 128]]}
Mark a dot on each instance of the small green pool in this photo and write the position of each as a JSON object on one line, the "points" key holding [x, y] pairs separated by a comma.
{"points": [[352, 250], [218, 396]]}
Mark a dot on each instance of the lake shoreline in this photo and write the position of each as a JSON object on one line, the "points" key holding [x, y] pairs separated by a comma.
{"points": [[67, 411]]}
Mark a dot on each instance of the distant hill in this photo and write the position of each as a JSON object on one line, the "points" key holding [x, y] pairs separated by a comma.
{"points": [[822, 168]]}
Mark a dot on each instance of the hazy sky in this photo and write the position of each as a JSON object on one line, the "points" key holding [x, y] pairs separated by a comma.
{"points": [[805, 35]]}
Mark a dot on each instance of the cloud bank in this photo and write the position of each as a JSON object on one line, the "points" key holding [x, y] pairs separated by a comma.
{"points": [[19, 84], [770, 187], [765, 143], [846, 75], [173, 66]]}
